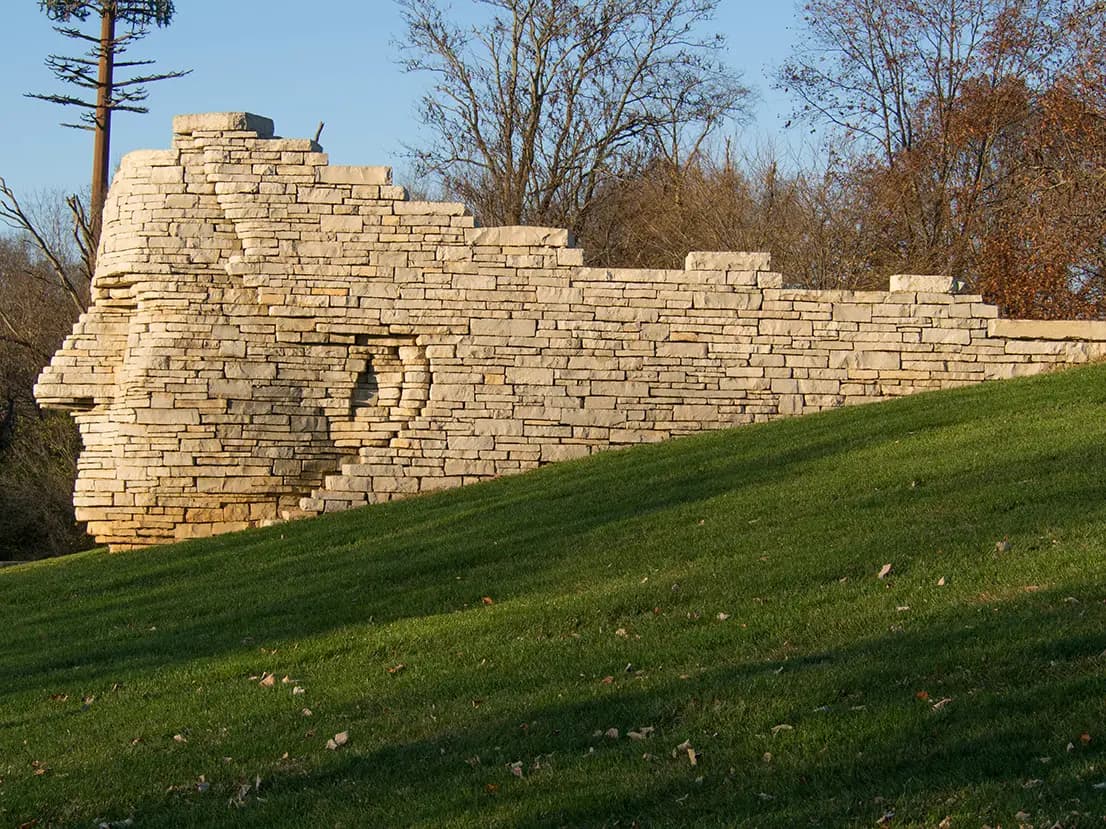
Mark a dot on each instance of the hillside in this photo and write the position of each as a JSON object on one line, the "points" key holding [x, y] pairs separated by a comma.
{"points": [[717, 593]]}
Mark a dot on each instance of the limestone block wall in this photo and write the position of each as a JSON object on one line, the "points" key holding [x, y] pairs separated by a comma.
{"points": [[272, 336]]}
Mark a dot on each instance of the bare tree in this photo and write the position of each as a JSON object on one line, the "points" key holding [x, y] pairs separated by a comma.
{"points": [[963, 119], [532, 110], [95, 71], [47, 237]]}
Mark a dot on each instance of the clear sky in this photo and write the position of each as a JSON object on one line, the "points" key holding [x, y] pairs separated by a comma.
{"points": [[297, 63]]}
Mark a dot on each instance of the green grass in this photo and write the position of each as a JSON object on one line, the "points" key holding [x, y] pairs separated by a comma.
{"points": [[608, 577]]}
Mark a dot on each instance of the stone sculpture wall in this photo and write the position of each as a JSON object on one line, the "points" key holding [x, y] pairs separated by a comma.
{"points": [[272, 337]]}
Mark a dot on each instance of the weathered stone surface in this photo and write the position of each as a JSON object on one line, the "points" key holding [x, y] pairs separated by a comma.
{"points": [[699, 260], [922, 282], [272, 337], [517, 236], [353, 175], [1047, 329], [223, 122]]}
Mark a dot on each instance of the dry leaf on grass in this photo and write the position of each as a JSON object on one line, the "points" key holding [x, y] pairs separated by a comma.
{"points": [[685, 749], [338, 740], [884, 571]]}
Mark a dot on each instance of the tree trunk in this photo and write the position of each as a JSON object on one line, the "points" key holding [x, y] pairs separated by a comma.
{"points": [[101, 151]]}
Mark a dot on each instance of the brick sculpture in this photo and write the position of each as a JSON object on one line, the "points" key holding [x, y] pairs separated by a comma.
{"points": [[271, 336]]}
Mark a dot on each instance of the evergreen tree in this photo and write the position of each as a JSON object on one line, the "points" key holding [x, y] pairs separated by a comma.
{"points": [[122, 22]]}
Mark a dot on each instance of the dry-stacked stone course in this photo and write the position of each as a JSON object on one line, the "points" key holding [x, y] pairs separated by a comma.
{"points": [[272, 336]]}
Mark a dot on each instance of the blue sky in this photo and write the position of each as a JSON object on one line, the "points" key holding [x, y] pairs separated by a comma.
{"points": [[298, 64]]}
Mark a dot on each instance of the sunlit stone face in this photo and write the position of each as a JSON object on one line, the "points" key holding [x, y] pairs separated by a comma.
{"points": [[218, 376]]}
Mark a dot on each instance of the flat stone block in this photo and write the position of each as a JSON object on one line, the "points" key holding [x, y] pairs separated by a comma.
{"points": [[736, 301], [342, 224], [932, 284], [223, 122], [699, 260], [335, 174], [517, 236], [503, 327], [1047, 329]]}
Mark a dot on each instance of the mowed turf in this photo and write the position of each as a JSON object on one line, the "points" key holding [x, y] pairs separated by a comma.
{"points": [[488, 650]]}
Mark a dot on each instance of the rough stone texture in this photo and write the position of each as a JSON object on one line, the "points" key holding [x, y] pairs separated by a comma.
{"points": [[919, 282], [272, 337]]}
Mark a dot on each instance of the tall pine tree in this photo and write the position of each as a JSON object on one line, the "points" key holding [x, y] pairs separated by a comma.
{"points": [[121, 23]]}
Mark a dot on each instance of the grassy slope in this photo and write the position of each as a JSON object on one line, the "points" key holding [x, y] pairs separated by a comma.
{"points": [[617, 567]]}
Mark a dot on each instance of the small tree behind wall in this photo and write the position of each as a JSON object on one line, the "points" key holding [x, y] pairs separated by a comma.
{"points": [[535, 106], [121, 23]]}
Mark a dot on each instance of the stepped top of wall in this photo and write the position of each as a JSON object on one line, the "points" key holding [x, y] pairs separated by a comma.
{"points": [[272, 336]]}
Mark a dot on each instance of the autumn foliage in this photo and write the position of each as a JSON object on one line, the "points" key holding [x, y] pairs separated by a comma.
{"points": [[965, 137]]}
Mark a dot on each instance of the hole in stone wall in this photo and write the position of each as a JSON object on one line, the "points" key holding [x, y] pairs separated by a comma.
{"points": [[366, 389]]}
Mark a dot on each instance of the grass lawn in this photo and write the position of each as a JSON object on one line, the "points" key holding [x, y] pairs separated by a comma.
{"points": [[489, 650]]}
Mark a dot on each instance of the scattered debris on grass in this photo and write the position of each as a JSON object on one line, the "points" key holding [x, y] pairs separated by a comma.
{"points": [[685, 749], [884, 571], [338, 740]]}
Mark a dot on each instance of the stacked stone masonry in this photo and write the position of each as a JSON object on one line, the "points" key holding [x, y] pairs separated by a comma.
{"points": [[272, 336]]}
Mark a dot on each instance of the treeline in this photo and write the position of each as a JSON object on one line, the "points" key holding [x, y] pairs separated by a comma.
{"points": [[962, 137], [38, 448]]}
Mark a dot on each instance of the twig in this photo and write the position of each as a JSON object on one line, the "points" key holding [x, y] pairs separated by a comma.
{"points": [[13, 214]]}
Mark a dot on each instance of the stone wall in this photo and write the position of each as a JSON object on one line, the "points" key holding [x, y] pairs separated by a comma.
{"points": [[271, 336]]}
